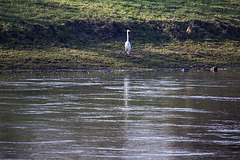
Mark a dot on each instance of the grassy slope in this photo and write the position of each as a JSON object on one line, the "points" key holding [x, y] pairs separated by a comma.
{"points": [[91, 34]]}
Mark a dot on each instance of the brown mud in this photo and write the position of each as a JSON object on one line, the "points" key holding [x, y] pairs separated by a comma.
{"points": [[72, 33]]}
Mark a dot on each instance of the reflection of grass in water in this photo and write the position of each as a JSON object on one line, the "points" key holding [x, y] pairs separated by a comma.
{"points": [[36, 33]]}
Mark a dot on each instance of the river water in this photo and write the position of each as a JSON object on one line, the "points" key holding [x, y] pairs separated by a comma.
{"points": [[165, 114]]}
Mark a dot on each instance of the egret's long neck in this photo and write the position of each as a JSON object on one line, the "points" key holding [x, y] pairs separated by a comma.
{"points": [[127, 36]]}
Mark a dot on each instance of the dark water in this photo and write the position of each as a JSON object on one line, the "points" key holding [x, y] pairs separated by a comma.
{"points": [[120, 115]]}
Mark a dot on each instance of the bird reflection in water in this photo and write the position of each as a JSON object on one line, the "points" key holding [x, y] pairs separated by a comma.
{"points": [[126, 89]]}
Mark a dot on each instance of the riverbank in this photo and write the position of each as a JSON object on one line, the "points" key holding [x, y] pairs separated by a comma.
{"points": [[111, 55], [91, 35]]}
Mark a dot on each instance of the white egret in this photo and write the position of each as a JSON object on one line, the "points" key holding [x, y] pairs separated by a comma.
{"points": [[127, 44]]}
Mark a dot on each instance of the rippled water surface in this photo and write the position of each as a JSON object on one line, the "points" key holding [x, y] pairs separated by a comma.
{"points": [[120, 115]]}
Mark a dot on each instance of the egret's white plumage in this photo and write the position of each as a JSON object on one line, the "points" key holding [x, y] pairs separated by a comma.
{"points": [[127, 44]]}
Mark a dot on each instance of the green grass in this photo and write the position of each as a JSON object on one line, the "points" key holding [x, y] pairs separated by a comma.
{"points": [[50, 34], [57, 11], [110, 55]]}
